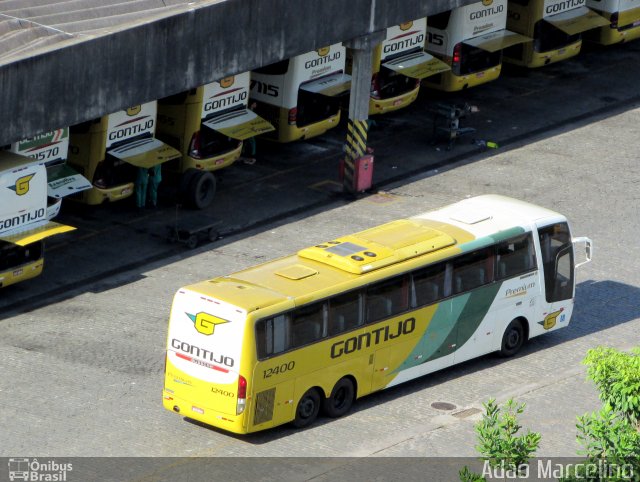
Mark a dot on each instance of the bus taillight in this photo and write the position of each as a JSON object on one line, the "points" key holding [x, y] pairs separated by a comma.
{"points": [[375, 87], [293, 116], [194, 146], [242, 394], [457, 58]]}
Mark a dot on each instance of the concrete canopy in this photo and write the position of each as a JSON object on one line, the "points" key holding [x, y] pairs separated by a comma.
{"points": [[63, 62]]}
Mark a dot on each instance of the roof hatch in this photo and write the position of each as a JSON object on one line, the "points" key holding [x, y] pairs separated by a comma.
{"points": [[378, 247]]}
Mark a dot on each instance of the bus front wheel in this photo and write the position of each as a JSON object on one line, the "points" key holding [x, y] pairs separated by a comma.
{"points": [[512, 339], [308, 408], [341, 399]]}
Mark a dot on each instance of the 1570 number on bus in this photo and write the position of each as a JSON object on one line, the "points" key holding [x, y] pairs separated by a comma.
{"points": [[285, 367]]}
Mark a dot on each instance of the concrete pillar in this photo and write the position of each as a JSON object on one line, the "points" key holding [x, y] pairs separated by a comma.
{"points": [[358, 127]]}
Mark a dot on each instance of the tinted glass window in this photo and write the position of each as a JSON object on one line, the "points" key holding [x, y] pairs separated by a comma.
{"points": [[428, 285], [515, 256], [387, 298], [307, 324], [272, 336], [472, 270], [344, 313]]}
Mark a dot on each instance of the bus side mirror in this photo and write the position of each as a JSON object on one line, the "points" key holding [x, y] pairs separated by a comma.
{"points": [[588, 249]]}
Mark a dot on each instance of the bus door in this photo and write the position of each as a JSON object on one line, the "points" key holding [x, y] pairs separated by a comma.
{"points": [[50, 149], [558, 265], [130, 138]]}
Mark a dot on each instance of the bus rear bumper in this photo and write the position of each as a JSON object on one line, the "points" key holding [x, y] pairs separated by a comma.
{"points": [[540, 59], [380, 106], [212, 163], [453, 83], [21, 273], [96, 195], [224, 421]]}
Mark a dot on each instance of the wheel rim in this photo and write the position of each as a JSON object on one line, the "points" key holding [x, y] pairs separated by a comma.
{"points": [[307, 407], [340, 398], [513, 338]]}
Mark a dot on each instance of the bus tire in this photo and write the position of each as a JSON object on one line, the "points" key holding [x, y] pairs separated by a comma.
{"points": [[307, 409], [341, 399], [202, 190], [512, 339]]}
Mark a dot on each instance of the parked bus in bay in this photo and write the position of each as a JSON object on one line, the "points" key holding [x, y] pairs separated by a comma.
{"points": [[284, 340], [108, 150], [556, 27], [398, 65], [301, 96], [50, 149], [208, 126], [623, 17], [24, 218], [470, 40]]}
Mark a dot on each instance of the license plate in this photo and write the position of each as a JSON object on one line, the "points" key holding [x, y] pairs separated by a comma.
{"points": [[480, 74], [397, 102], [561, 51]]}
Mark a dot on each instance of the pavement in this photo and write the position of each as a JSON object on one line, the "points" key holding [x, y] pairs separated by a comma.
{"points": [[83, 345]]}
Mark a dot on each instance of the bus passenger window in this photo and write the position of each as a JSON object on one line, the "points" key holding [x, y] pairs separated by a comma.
{"points": [[344, 313], [307, 324], [272, 336], [516, 256], [428, 285], [387, 298], [472, 270]]}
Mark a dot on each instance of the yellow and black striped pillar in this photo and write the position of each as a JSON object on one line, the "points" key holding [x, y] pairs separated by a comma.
{"points": [[355, 147], [361, 51]]}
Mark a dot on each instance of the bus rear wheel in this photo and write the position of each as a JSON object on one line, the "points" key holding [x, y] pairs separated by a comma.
{"points": [[512, 339], [307, 409], [341, 399]]}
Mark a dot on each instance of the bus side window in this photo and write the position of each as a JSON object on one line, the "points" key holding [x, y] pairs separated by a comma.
{"points": [[515, 256], [427, 285], [387, 298], [272, 336], [472, 270], [307, 324], [345, 312]]}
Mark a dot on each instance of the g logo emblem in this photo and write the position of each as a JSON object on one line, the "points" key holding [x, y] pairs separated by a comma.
{"points": [[135, 110], [205, 323], [323, 51], [22, 184], [407, 25], [227, 82], [486, 3]]}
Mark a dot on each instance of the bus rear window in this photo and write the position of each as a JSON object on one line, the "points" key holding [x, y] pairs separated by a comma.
{"points": [[548, 37], [313, 107], [474, 59]]}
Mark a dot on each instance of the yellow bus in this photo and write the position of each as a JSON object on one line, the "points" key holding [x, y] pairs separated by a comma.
{"points": [[470, 40], [398, 65], [623, 17], [107, 150], [24, 217], [556, 27], [301, 96], [313, 331], [208, 126]]}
